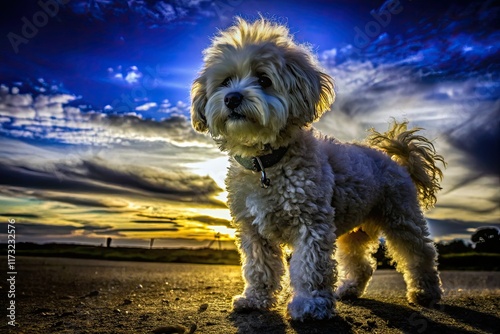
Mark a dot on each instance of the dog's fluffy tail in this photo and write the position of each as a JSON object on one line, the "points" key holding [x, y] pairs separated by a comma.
{"points": [[416, 153]]}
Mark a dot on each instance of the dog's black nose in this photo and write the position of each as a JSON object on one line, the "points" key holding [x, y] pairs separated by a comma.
{"points": [[233, 100]]}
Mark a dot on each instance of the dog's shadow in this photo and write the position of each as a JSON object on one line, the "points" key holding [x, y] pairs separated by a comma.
{"points": [[258, 322], [399, 317], [411, 320], [336, 325], [274, 322], [486, 322]]}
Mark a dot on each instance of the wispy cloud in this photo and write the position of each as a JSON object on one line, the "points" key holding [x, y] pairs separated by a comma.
{"points": [[48, 117]]}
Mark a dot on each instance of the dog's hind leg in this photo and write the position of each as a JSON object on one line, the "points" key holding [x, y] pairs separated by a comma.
{"points": [[262, 270], [356, 263], [415, 255]]}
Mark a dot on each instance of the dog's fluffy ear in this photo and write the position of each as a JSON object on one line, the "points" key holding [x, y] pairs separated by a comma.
{"points": [[311, 90], [198, 103]]}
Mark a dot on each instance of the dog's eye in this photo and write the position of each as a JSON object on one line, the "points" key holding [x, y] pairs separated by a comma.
{"points": [[225, 83], [264, 81]]}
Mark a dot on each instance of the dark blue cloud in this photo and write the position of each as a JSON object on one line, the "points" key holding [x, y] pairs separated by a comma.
{"points": [[84, 178], [479, 138], [20, 215], [151, 14], [29, 229], [211, 220], [84, 44], [459, 228], [439, 40]]}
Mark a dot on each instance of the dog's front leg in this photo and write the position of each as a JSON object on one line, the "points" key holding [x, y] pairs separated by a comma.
{"points": [[262, 270], [313, 273]]}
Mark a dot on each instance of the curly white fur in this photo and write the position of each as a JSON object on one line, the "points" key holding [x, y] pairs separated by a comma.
{"points": [[325, 197]]}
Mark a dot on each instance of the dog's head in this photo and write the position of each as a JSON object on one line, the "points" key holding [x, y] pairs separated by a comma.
{"points": [[256, 86]]}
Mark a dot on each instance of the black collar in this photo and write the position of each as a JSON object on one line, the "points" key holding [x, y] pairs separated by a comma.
{"points": [[267, 160]]}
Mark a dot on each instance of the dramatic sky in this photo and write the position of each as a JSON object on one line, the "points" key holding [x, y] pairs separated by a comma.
{"points": [[95, 136]]}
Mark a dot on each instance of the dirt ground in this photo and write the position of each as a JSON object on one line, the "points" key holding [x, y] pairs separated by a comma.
{"points": [[55, 295]]}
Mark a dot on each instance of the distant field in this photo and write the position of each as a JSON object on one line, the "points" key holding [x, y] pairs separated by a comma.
{"points": [[464, 261], [170, 255], [470, 261]]}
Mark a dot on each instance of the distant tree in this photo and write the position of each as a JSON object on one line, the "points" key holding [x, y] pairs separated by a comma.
{"points": [[487, 239], [216, 238], [456, 246], [383, 261], [108, 242]]}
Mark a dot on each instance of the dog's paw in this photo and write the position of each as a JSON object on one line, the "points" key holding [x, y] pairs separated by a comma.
{"points": [[349, 291], [242, 303], [425, 297], [304, 308]]}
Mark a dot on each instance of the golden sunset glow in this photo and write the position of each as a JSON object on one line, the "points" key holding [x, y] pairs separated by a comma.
{"points": [[224, 231]]}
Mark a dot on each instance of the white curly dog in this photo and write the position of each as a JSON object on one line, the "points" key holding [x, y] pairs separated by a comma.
{"points": [[257, 95]]}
